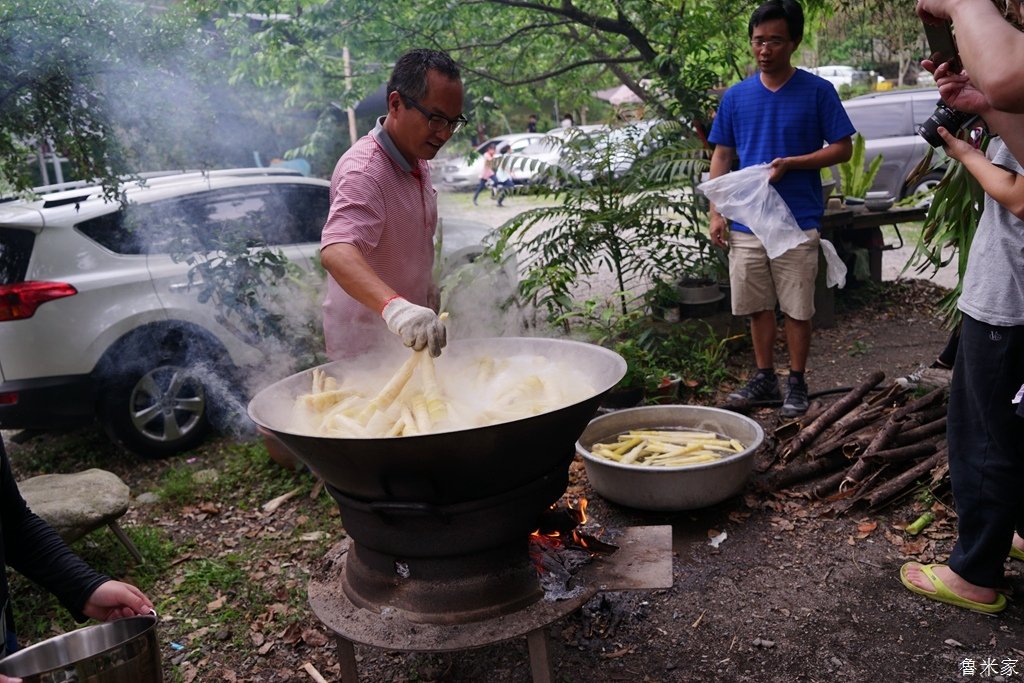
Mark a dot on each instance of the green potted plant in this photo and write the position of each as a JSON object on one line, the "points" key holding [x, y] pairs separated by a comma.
{"points": [[663, 300], [647, 379], [704, 269], [856, 178]]}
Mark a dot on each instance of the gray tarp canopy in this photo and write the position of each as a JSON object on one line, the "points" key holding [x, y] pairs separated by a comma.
{"points": [[375, 104]]}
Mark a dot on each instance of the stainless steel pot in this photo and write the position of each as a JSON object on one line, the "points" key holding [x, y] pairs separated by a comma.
{"points": [[447, 467], [670, 488], [122, 651]]}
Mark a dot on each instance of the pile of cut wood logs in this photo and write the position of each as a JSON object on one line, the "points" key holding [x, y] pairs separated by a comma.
{"points": [[865, 448]]}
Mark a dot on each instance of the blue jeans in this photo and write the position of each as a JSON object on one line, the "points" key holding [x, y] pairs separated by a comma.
{"points": [[480, 188], [503, 188]]}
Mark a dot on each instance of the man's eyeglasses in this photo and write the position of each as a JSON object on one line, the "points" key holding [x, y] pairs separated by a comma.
{"points": [[773, 43], [437, 122]]}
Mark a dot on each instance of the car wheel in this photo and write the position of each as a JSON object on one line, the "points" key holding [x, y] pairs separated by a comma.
{"points": [[160, 390], [923, 185], [156, 411]]}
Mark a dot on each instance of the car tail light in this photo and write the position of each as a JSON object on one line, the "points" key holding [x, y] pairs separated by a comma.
{"points": [[8, 398], [20, 301]]}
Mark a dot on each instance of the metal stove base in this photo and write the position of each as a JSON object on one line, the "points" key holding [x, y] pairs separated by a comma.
{"points": [[642, 562]]}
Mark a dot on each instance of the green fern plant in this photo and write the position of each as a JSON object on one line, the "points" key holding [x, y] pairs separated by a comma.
{"points": [[948, 230], [855, 177]]}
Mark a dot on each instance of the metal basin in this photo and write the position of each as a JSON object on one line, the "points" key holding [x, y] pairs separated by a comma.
{"points": [[454, 466], [670, 488], [122, 651]]}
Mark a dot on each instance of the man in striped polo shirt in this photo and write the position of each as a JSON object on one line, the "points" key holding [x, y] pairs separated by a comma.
{"points": [[378, 242], [793, 120]]}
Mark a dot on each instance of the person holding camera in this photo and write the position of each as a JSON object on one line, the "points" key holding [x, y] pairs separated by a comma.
{"points": [[989, 80], [985, 427], [794, 121]]}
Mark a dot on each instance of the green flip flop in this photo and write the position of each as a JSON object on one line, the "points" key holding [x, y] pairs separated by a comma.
{"points": [[943, 594], [1016, 553]]}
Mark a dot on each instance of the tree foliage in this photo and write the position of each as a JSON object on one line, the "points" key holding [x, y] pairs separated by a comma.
{"points": [[68, 66], [876, 34], [618, 208], [516, 55], [119, 88]]}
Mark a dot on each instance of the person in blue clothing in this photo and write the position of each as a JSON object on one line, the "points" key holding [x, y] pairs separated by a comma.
{"points": [[793, 120]]}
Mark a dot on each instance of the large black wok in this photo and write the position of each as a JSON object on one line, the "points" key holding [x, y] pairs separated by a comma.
{"points": [[447, 467]]}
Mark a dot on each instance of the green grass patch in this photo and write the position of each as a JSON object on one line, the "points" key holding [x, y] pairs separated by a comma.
{"points": [[245, 475], [68, 451]]}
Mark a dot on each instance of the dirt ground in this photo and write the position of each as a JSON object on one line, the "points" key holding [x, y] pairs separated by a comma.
{"points": [[791, 594]]}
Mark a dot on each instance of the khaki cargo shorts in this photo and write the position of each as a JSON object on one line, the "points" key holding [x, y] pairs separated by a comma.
{"points": [[758, 282]]}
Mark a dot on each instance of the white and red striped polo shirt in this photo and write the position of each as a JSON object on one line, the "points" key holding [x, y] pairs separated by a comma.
{"points": [[383, 207]]}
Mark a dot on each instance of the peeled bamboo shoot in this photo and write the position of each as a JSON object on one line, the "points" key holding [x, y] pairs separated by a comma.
{"points": [[666, 448]]}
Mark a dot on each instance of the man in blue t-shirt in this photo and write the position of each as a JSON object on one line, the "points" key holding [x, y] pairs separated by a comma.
{"points": [[794, 121]]}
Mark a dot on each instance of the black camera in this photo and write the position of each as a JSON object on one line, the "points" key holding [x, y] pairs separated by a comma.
{"points": [[943, 47], [947, 117]]}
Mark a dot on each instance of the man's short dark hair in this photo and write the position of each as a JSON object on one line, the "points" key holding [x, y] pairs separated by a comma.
{"points": [[409, 76], [789, 10]]}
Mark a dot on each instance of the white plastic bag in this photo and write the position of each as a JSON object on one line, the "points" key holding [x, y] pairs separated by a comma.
{"points": [[835, 275], [746, 196]]}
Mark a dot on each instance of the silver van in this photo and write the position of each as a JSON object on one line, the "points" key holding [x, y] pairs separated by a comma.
{"points": [[887, 120]]}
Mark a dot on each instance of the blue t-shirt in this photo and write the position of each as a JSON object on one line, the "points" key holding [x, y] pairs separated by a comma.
{"points": [[799, 118]]}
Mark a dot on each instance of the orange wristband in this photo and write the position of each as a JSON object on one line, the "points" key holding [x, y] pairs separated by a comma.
{"points": [[389, 300]]}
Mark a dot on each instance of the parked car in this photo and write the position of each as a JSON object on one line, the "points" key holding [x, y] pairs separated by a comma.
{"points": [[545, 151], [886, 120], [839, 75], [616, 150], [99, 318], [596, 149], [463, 172]]}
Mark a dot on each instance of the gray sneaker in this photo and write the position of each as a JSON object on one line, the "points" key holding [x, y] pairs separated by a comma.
{"points": [[796, 400], [759, 388], [926, 378], [912, 380]]}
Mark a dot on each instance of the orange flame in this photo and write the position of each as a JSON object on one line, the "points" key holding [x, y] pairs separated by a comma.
{"points": [[554, 537]]}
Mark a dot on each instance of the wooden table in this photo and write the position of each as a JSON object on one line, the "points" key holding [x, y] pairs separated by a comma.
{"points": [[857, 227]]}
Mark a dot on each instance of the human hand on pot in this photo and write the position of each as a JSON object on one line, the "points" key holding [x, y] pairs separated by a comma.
{"points": [[113, 600], [9, 679]]}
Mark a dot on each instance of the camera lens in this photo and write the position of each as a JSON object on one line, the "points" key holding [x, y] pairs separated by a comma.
{"points": [[950, 119]]}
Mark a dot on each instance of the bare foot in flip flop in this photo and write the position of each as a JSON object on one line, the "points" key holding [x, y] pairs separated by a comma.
{"points": [[949, 587]]}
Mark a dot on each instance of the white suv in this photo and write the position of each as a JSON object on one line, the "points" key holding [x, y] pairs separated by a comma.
{"points": [[98, 320]]}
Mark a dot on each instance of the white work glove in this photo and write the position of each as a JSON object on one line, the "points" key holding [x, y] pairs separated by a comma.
{"points": [[418, 326]]}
